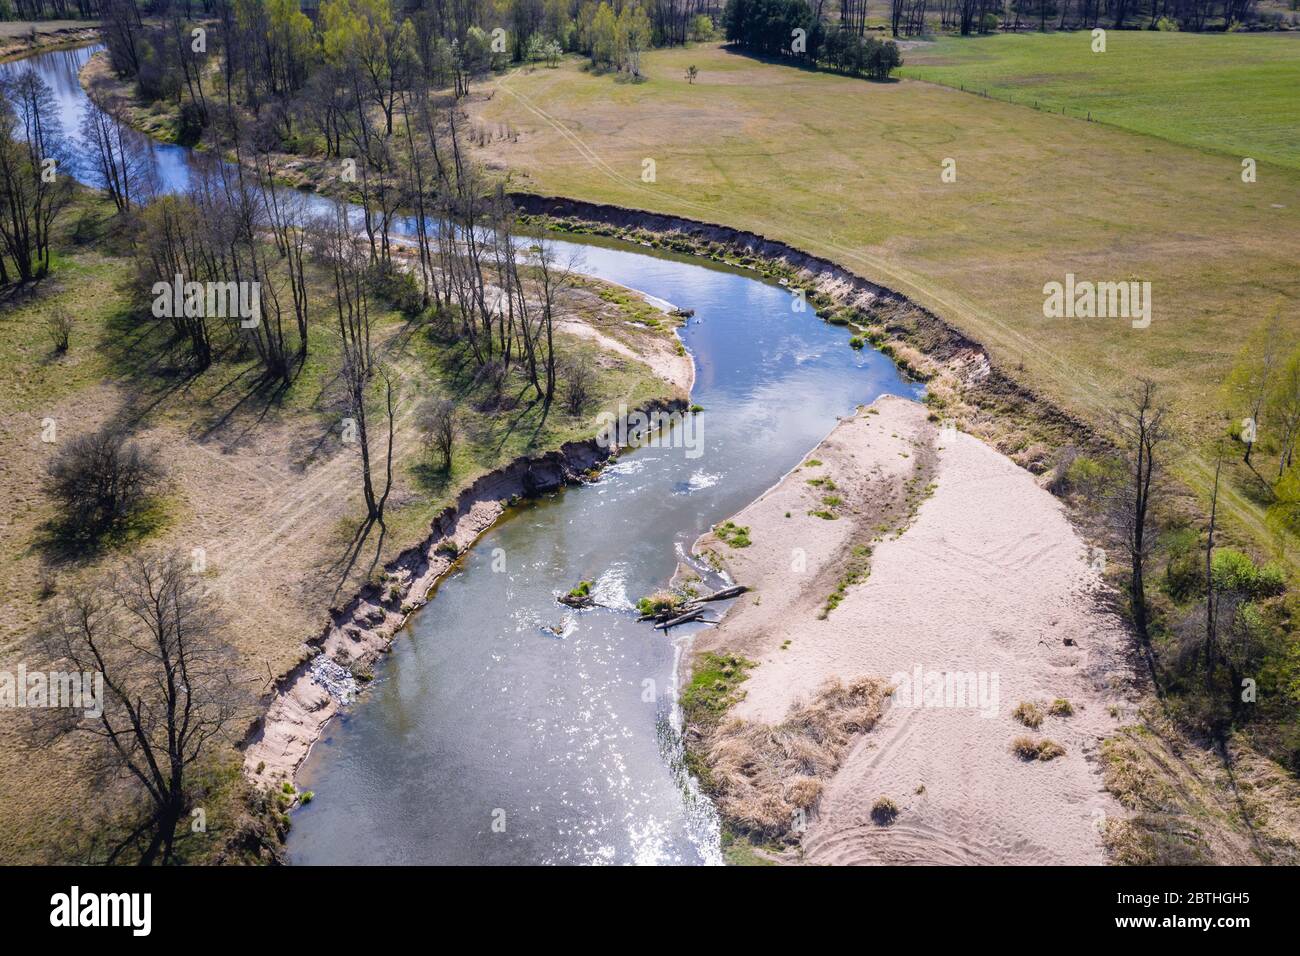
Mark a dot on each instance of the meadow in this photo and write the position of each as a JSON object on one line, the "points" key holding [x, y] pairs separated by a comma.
{"points": [[1231, 93], [852, 170]]}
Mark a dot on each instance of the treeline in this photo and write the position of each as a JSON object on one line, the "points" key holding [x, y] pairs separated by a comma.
{"points": [[794, 29], [49, 9], [308, 68], [33, 190], [765, 27], [968, 17]]}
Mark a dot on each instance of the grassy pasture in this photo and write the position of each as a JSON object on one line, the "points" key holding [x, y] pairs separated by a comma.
{"points": [[1231, 93], [850, 170]]}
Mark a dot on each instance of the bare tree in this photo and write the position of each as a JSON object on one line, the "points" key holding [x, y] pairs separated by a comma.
{"points": [[356, 380], [1142, 432], [119, 159], [438, 422], [1211, 650], [35, 185], [578, 380], [168, 693]]}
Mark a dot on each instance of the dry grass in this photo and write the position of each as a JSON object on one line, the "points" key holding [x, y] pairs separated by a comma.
{"points": [[1185, 805], [1027, 748], [1061, 708], [1029, 714], [764, 775]]}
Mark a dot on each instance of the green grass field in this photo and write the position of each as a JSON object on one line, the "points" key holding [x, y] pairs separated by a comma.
{"points": [[1231, 93], [850, 170]]}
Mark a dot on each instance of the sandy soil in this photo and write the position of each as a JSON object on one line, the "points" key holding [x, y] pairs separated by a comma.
{"points": [[987, 577]]}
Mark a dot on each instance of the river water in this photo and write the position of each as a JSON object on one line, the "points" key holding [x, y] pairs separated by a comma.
{"points": [[506, 728]]}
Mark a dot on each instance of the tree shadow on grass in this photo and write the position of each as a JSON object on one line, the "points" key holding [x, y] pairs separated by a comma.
{"points": [[62, 541], [804, 66], [345, 563]]}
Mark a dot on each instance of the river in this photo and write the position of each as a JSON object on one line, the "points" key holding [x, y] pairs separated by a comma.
{"points": [[488, 737]]}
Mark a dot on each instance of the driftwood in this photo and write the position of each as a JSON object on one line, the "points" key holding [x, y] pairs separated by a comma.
{"points": [[735, 590], [692, 615], [692, 610]]}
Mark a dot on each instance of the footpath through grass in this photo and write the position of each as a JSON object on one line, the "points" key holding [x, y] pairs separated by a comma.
{"points": [[1233, 93]]}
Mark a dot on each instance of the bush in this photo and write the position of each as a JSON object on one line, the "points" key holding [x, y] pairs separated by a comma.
{"points": [[657, 603], [1231, 570], [437, 420], [1027, 748], [59, 328], [101, 480], [577, 381], [1092, 477], [1061, 708], [884, 811], [1028, 713]]}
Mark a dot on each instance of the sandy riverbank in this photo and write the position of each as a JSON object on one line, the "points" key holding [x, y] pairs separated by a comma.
{"points": [[987, 577]]}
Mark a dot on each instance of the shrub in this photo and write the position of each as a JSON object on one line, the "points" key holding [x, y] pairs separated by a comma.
{"points": [[577, 379], [884, 811], [102, 479], [1027, 748], [733, 534], [1231, 570], [1029, 714], [857, 342], [1049, 750], [1184, 577], [437, 420], [1061, 708], [59, 328], [1092, 476], [658, 602]]}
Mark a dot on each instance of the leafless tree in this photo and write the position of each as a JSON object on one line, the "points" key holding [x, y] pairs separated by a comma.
{"points": [[438, 422], [1140, 424], [169, 696], [35, 183], [578, 380], [119, 159], [356, 381]]}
